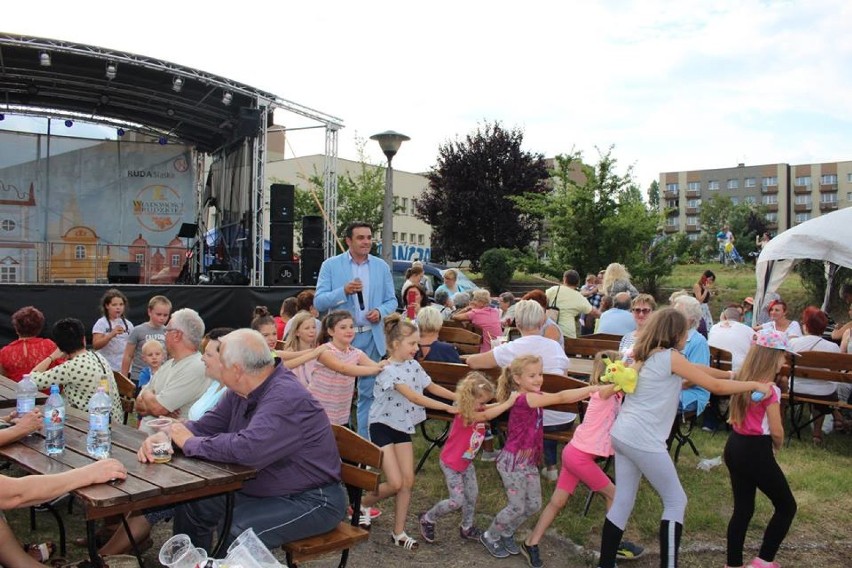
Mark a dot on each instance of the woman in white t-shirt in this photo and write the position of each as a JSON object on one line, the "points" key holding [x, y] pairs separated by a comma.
{"points": [[815, 321], [529, 318]]}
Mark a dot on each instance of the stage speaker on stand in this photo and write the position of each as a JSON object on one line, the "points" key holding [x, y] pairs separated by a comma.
{"points": [[281, 205], [312, 232]]}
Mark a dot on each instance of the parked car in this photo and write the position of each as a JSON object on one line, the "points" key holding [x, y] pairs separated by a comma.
{"points": [[434, 275]]}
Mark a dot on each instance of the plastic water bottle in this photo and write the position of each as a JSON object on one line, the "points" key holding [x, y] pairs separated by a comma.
{"points": [[708, 464], [54, 422], [26, 395], [98, 439]]}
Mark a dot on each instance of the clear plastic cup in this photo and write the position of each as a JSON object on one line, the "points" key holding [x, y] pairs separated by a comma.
{"points": [[161, 439], [178, 552], [248, 545]]}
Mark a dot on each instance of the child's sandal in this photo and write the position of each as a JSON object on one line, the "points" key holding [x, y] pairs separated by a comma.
{"points": [[404, 541], [41, 552]]}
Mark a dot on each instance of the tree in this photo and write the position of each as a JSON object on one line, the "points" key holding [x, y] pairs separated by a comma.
{"points": [[654, 196], [359, 197], [469, 202], [497, 269], [595, 216]]}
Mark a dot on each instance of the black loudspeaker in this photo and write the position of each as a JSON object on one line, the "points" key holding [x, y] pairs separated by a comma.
{"points": [[311, 261], [312, 230], [248, 122], [123, 272], [281, 242], [282, 203], [281, 273]]}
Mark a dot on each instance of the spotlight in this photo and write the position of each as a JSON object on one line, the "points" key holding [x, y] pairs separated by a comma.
{"points": [[120, 132], [111, 70], [163, 141], [44, 59], [69, 123], [177, 84], [227, 97]]}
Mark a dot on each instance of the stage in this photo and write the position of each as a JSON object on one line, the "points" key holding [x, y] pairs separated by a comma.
{"points": [[230, 306]]}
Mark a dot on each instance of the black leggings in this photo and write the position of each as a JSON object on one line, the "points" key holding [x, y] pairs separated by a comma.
{"points": [[752, 466]]}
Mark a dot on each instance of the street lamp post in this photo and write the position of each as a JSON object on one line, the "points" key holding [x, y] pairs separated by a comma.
{"points": [[390, 142]]}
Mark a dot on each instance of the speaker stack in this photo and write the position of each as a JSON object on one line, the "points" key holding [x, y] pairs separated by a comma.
{"points": [[312, 248], [124, 273], [282, 270]]}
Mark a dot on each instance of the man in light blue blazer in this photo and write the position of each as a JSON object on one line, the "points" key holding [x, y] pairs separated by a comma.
{"points": [[361, 284]]}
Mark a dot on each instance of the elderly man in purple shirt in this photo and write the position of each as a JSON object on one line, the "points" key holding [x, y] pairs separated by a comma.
{"points": [[269, 421]]}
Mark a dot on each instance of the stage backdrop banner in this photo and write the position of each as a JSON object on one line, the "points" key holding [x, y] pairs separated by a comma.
{"points": [[92, 202]]}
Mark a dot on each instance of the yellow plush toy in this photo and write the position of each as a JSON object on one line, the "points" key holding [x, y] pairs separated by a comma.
{"points": [[620, 375]]}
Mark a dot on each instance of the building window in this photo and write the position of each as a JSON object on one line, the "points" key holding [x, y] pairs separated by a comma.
{"points": [[672, 221], [713, 185], [804, 181], [735, 200], [692, 236], [403, 237], [8, 225], [405, 205], [694, 186], [79, 252], [772, 217], [420, 239], [395, 201], [803, 199], [750, 199], [770, 199], [828, 198], [751, 182], [849, 178], [8, 274], [828, 179], [802, 217], [413, 206], [671, 203], [140, 258], [175, 260], [394, 236], [769, 181], [849, 196], [671, 187], [692, 220], [693, 203], [733, 184]]}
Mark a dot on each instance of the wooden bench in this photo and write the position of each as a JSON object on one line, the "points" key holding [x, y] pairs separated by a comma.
{"points": [[722, 360], [449, 374], [356, 455], [588, 348], [814, 365], [604, 336], [466, 342]]}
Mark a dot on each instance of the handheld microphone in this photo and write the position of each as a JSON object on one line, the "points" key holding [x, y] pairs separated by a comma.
{"points": [[360, 295]]}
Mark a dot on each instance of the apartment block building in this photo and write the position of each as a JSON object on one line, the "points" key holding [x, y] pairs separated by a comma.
{"points": [[792, 194]]}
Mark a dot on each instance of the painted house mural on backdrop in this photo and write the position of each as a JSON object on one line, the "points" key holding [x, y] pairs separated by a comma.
{"points": [[89, 203]]}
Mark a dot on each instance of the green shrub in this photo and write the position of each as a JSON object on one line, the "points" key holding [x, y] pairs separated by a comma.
{"points": [[497, 269]]}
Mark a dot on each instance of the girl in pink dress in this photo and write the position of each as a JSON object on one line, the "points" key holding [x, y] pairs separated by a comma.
{"points": [[333, 378]]}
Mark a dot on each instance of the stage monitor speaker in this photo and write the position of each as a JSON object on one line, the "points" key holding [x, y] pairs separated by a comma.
{"points": [[248, 122], [281, 241], [312, 231], [312, 259], [123, 272], [282, 203], [281, 273]]}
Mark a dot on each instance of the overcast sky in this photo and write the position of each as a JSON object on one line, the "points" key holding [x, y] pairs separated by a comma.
{"points": [[672, 85]]}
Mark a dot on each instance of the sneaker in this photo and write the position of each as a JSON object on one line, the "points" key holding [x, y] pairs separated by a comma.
{"points": [[427, 529], [510, 545], [530, 552], [374, 513], [472, 533], [629, 551], [550, 474], [488, 456], [495, 548], [760, 563]]}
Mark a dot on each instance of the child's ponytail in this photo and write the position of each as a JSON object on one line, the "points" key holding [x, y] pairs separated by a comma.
{"points": [[468, 390], [506, 382]]}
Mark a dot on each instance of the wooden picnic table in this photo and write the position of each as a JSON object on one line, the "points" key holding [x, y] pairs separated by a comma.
{"points": [[146, 486], [8, 395]]}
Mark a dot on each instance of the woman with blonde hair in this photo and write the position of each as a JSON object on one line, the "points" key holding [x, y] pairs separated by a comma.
{"points": [[429, 322], [617, 279]]}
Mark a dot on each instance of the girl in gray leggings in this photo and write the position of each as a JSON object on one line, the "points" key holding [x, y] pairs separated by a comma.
{"points": [[640, 432]]}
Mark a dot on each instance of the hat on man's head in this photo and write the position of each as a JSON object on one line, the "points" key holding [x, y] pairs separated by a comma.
{"points": [[749, 300], [773, 339]]}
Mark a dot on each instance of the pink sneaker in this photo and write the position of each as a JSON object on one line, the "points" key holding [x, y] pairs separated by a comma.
{"points": [[760, 563]]}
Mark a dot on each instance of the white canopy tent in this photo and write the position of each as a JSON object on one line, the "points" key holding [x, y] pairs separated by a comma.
{"points": [[827, 238]]}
